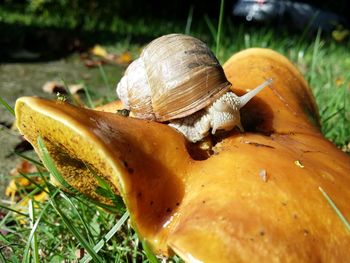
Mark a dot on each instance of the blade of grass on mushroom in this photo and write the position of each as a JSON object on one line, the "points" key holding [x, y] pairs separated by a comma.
{"points": [[53, 170], [335, 208], [105, 190], [7, 106], [50, 165], [107, 237]]}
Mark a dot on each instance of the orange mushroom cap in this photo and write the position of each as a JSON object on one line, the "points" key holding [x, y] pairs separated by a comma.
{"points": [[254, 198]]}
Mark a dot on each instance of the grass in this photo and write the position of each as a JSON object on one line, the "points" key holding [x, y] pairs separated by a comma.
{"points": [[68, 225], [335, 208]]}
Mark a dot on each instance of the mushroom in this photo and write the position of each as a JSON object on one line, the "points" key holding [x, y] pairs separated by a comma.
{"points": [[217, 207]]}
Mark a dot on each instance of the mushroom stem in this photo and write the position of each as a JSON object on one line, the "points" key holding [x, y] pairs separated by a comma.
{"points": [[243, 100]]}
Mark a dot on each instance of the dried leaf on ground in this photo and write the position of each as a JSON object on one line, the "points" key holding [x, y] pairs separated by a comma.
{"points": [[55, 87]]}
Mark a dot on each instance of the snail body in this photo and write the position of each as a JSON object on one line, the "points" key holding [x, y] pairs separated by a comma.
{"points": [[177, 79]]}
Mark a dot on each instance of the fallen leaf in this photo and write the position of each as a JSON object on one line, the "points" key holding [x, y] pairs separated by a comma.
{"points": [[340, 35], [54, 87], [91, 63], [124, 58], [75, 88], [79, 253], [98, 50], [18, 182], [339, 81]]}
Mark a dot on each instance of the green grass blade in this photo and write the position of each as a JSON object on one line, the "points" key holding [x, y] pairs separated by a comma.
{"points": [[307, 29], [2, 258], [75, 232], [150, 255], [13, 210], [35, 162], [70, 95], [7, 106], [210, 26], [107, 237], [105, 190], [335, 208], [105, 79], [90, 103], [34, 241], [50, 165], [26, 257], [33, 182], [218, 35], [315, 57], [333, 115], [189, 21], [87, 230]]}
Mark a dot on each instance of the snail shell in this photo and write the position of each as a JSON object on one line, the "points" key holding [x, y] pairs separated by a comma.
{"points": [[175, 76], [178, 79]]}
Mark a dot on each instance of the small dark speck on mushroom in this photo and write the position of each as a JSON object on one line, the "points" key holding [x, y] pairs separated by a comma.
{"points": [[151, 203], [130, 170], [125, 163], [177, 204], [168, 210], [262, 233]]}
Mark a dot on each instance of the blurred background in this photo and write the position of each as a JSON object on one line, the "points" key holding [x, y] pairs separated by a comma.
{"points": [[52, 28]]}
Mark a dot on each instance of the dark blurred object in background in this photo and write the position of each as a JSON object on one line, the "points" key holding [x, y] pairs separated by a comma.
{"points": [[296, 15], [49, 29]]}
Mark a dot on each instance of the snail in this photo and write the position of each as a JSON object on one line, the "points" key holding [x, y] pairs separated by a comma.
{"points": [[177, 79]]}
